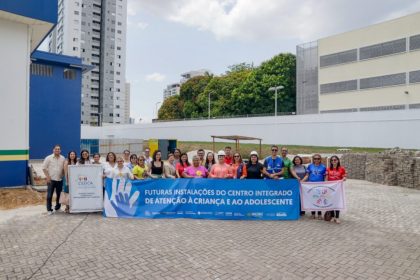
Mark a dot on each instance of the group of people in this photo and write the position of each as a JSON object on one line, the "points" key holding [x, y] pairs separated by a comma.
{"points": [[224, 164]]}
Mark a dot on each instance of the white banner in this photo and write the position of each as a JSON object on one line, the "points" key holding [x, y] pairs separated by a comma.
{"points": [[322, 196], [86, 188]]}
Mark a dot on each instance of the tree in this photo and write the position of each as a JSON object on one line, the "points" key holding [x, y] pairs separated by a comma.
{"points": [[171, 109]]}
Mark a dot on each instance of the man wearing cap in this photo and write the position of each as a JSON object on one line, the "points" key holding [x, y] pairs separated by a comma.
{"points": [[274, 164], [221, 169]]}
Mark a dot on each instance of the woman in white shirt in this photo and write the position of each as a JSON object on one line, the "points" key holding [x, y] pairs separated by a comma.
{"points": [[110, 165], [121, 171]]}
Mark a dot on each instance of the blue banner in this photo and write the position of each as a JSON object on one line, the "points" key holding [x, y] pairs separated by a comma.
{"points": [[203, 199]]}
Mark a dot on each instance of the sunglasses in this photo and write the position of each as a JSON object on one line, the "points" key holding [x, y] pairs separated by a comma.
{"points": [[334, 160], [284, 151], [317, 158], [236, 156], [274, 150]]}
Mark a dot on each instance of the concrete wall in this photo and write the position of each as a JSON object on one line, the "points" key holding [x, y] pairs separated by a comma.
{"points": [[361, 129]]}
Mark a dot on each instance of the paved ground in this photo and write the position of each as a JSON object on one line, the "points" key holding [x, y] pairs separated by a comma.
{"points": [[378, 239]]}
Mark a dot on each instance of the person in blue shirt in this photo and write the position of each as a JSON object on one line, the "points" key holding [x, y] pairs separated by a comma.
{"points": [[316, 172], [274, 164]]}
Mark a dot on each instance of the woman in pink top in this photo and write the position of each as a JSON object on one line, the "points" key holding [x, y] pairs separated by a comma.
{"points": [[195, 170], [221, 169], [180, 166]]}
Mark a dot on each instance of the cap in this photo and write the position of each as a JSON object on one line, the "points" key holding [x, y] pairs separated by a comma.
{"points": [[253, 153], [221, 153]]}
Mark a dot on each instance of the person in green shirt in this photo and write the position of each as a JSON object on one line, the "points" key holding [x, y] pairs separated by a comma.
{"points": [[287, 163]]}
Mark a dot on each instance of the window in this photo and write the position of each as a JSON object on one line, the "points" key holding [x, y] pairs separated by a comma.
{"points": [[41, 70], [383, 81], [414, 77], [338, 58], [339, 86], [76, 12], [119, 31], [415, 42], [387, 48], [69, 74], [118, 48]]}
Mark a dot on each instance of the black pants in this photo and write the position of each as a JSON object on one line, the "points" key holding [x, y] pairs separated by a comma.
{"points": [[336, 214], [313, 213], [58, 187]]}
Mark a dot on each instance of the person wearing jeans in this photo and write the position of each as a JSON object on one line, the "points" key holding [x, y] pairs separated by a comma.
{"points": [[53, 168]]}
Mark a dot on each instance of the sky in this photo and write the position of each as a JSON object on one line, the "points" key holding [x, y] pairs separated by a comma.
{"points": [[166, 38]]}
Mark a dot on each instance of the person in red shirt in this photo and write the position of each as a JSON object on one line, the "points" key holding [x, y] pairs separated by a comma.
{"points": [[228, 156], [335, 172], [183, 164]]}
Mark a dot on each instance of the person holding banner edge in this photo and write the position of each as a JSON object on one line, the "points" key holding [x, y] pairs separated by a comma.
{"points": [[316, 172], [335, 172], [196, 170], [71, 160]]}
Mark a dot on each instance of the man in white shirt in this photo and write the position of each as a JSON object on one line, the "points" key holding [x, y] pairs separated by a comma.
{"points": [[53, 168]]}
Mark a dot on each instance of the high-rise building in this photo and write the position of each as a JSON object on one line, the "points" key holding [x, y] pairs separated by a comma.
{"points": [[127, 103], [95, 30]]}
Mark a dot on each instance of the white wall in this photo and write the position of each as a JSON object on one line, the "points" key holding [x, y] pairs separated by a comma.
{"points": [[363, 129], [14, 85]]}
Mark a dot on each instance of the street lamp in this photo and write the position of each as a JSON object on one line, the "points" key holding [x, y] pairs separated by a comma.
{"points": [[156, 109], [275, 89], [209, 103]]}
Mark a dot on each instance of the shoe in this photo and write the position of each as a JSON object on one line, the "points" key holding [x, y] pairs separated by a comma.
{"points": [[49, 213], [57, 210]]}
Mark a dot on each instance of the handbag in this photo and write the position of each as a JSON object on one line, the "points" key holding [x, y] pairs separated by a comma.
{"points": [[328, 216], [64, 198]]}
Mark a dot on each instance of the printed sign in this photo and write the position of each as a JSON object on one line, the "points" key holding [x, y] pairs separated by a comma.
{"points": [[319, 196]]}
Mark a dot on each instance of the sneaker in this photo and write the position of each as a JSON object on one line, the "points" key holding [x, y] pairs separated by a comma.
{"points": [[50, 212]]}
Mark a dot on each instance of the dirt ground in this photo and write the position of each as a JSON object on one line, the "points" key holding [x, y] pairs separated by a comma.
{"points": [[15, 198]]}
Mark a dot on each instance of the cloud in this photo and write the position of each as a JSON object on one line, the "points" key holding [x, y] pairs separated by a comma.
{"points": [[252, 20], [137, 25], [155, 77]]}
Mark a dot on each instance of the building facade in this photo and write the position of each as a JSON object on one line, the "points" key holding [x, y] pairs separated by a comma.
{"points": [[171, 90], [127, 103], [370, 69], [23, 26], [55, 90], [95, 31]]}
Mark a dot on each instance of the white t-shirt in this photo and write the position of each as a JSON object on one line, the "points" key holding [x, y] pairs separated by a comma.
{"points": [[108, 169], [123, 173]]}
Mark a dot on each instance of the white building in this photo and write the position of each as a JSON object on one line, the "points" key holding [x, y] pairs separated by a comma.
{"points": [[195, 73], [369, 69], [171, 90], [127, 103], [95, 30]]}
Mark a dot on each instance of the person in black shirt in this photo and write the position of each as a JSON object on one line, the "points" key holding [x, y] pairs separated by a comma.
{"points": [[255, 169]]}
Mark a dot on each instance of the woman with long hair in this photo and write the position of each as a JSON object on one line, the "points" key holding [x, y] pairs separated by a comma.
{"points": [[209, 161], [140, 171], [335, 172], [84, 157], [71, 160], [156, 166], [110, 164], [180, 166], [238, 167], [255, 169]]}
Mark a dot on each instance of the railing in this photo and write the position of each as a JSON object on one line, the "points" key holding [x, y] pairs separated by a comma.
{"points": [[227, 117]]}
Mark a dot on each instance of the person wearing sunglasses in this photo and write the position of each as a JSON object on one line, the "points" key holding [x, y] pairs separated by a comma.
{"points": [[316, 172], [274, 164], [335, 172], [140, 171], [238, 167]]}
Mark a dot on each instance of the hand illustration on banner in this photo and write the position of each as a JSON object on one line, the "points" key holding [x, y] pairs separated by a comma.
{"points": [[121, 202]]}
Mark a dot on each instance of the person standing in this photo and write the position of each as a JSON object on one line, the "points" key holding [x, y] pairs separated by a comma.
{"points": [[335, 172], [209, 161], [126, 155], [228, 155], [71, 160], [287, 163], [84, 158], [195, 170], [110, 165], [53, 168], [133, 162], [254, 168], [316, 172], [274, 164], [169, 168], [200, 154], [96, 159], [177, 156], [121, 171], [140, 171], [180, 166], [221, 169], [156, 166], [298, 171], [238, 167], [147, 158]]}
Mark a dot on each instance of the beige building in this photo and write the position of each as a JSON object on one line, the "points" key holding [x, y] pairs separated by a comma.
{"points": [[368, 69]]}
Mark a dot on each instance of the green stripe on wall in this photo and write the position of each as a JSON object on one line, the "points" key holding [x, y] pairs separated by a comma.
{"points": [[13, 152]]}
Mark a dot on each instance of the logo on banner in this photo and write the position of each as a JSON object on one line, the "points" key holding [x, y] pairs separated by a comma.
{"points": [[322, 196], [83, 180]]}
